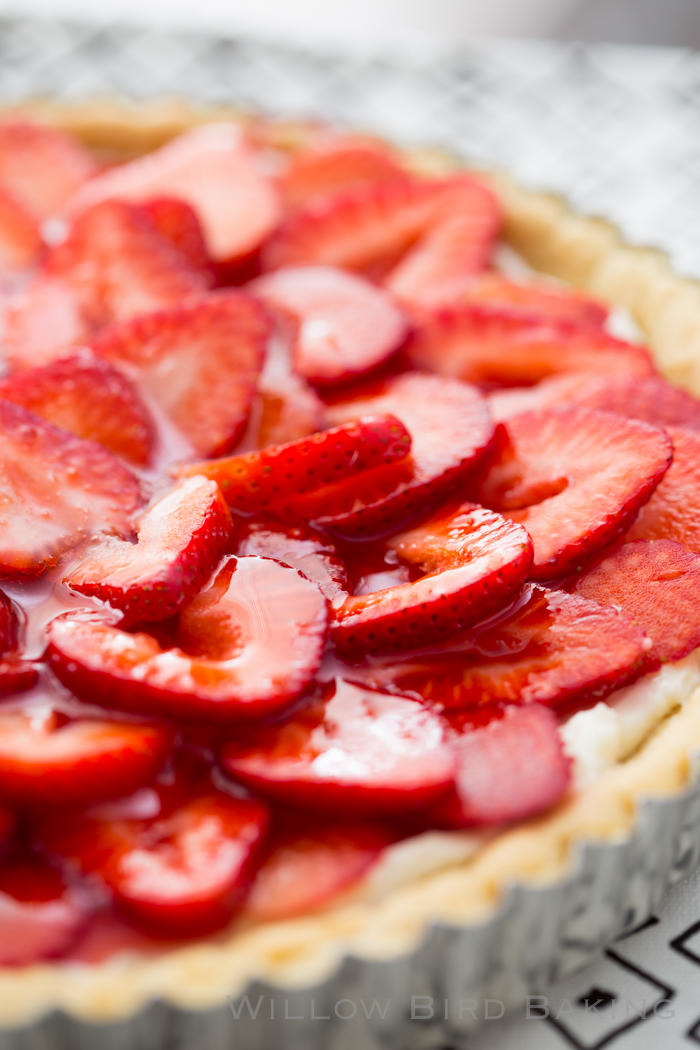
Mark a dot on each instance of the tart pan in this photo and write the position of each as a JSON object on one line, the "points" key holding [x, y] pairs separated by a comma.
{"points": [[536, 903]]}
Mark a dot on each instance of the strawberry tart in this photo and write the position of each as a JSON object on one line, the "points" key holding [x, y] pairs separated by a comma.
{"points": [[350, 567]]}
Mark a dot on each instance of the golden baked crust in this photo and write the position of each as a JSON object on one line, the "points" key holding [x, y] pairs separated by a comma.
{"points": [[589, 253]]}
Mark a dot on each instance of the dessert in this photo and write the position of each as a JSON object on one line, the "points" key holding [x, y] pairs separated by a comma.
{"points": [[240, 674]]}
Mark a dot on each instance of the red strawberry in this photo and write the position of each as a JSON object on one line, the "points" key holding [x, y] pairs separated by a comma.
{"points": [[307, 866], [212, 168], [302, 547], [332, 164], [41, 167], [472, 560], [16, 675], [551, 647], [479, 345], [40, 915], [445, 228], [85, 395], [56, 490], [575, 478], [178, 222], [673, 511], [343, 325], [512, 769], [113, 266], [533, 301], [275, 479], [286, 409], [46, 760], [649, 398], [450, 429], [356, 753], [656, 585], [180, 541], [250, 643], [181, 874], [20, 240], [198, 362]]}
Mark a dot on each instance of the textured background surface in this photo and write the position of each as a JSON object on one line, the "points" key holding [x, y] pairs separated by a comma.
{"points": [[618, 131]]}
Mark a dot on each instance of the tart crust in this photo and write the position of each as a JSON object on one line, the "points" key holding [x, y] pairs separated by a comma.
{"points": [[300, 952]]}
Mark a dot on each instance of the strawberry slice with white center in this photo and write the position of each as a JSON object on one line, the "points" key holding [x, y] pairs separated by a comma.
{"points": [[40, 916], [357, 753], [450, 428], [113, 265], [575, 478], [655, 584], [214, 169], [178, 222], [250, 643], [84, 394], [480, 345], [16, 674], [286, 409], [649, 398], [508, 771], [20, 240], [199, 362], [533, 301], [47, 760], [444, 229], [277, 479], [331, 164], [181, 874], [473, 561], [180, 541], [673, 511], [343, 325], [551, 647], [42, 167], [301, 546], [55, 489], [307, 866]]}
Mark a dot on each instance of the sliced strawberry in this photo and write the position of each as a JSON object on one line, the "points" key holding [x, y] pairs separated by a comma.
{"points": [[649, 398], [472, 560], [16, 675], [343, 325], [9, 626], [287, 409], [512, 769], [214, 169], [551, 647], [114, 265], [446, 229], [50, 761], [655, 584], [534, 301], [20, 240], [575, 478], [85, 395], [180, 541], [40, 916], [450, 428], [673, 511], [479, 345], [56, 490], [41, 167], [251, 642], [334, 163], [303, 547], [199, 363], [181, 874], [178, 222], [307, 866], [275, 479], [356, 752]]}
